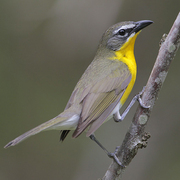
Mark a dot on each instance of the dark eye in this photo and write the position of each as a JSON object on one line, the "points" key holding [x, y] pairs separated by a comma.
{"points": [[122, 32]]}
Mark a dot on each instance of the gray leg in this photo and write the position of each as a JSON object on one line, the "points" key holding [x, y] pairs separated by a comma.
{"points": [[117, 117], [111, 155]]}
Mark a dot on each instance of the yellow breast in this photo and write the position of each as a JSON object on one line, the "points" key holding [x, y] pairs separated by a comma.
{"points": [[126, 55]]}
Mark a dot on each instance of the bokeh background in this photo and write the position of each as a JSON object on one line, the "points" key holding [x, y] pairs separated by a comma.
{"points": [[45, 46]]}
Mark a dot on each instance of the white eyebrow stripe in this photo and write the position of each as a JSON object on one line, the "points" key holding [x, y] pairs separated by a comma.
{"points": [[128, 26]]}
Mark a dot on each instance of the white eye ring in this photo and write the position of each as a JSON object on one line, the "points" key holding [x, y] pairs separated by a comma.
{"points": [[121, 32]]}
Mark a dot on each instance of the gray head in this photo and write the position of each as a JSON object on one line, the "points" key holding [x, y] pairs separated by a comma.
{"points": [[120, 33]]}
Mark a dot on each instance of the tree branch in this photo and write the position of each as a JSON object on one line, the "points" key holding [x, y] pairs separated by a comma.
{"points": [[136, 137]]}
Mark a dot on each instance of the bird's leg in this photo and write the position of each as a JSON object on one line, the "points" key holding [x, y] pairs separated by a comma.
{"points": [[117, 117], [111, 155]]}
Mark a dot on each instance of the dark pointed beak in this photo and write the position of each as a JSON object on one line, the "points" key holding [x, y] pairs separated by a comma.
{"points": [[141, 24]]}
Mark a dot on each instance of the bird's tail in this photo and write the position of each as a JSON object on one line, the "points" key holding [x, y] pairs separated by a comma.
{"points": [[62, 121]]}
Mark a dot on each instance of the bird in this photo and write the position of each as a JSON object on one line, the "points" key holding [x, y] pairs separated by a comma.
{"points": [[102, 89]]}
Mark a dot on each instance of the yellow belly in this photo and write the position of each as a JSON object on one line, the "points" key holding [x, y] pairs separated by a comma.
{"points": [[126, 55]]}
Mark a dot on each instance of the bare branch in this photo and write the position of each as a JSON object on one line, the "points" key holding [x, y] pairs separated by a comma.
{"points": [[136, 137]]}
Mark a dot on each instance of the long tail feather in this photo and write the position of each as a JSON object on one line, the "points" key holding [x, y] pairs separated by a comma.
{"points": [[47, 125]]}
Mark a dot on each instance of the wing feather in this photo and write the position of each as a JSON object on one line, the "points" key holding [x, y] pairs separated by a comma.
{"points": [[101, 98]]}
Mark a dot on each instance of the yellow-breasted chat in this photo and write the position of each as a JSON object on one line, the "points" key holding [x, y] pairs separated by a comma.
{"points": [[102, 89]]}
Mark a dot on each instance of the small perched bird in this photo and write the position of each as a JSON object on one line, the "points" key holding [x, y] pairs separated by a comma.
{"points": [[102, 89]]}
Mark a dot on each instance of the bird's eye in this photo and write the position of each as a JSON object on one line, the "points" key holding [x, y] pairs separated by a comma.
{"points": [[122, 32]]}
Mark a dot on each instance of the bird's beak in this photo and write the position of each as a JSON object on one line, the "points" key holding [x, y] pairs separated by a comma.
{"points": [[140, 25]]}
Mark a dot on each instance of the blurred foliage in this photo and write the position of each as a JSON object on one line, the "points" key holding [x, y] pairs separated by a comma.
{"points": [[44, 48]]}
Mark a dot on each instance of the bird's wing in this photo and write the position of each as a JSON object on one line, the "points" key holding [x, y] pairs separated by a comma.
{"points": [[99, 99]]}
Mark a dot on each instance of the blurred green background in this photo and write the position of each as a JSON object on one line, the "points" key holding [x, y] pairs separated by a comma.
{"points": [[45, 46]]}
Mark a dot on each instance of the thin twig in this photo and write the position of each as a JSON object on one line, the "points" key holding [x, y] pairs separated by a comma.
{"points": [[136, 137]]}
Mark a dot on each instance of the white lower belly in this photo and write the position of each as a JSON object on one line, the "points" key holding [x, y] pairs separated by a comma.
{"points": [[117, 108], [69, 124]]}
